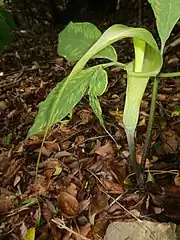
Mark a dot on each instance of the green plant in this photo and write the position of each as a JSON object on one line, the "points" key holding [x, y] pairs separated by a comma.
{"points": [[6, 26], [83, 41]]}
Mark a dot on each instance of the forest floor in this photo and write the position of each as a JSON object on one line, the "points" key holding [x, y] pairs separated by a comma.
{"points": [[84, 178]]}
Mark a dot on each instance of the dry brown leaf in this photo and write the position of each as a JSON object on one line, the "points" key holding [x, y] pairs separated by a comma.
{"points": [[84, 230], [62, 154], [46, 212], [51, 146], [50, 168], [72, 190], [106, 150], [83, 205], [112, 187], [5, 203], [85, 115], [177, 180], [98, 204], [170, 143], [68, 204]]}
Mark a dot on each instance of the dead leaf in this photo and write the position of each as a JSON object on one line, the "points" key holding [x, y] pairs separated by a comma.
{"points": [[45, 152], [84, 230], [72, 190], [5, 204], [83, 205], [86, 116], [46, 212], [51, 167], [112, 187], [106, 150], [80, 140], [68, 204], [98, 203], [63, 154], [169, 140], [177, 180]]}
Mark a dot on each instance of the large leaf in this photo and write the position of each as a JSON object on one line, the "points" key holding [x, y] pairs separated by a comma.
{"points": [[8, 18], [62, 100], [97, 87], [6, 25], [77, 38], [167, 12]]}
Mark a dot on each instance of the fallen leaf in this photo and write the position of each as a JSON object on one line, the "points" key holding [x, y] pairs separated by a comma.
{"points": [[30, 235], [6, 204], [169, 140], [62, 154], [106, 150], [112, 187], [98, 203], [68, 204], [177, 180], [84, 230], [86, 116], [72, 190]]}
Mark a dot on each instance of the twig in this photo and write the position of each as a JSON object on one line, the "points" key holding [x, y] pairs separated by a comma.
{"points": [[114, 200], [18, 79], [150, 123], [60, 223]]}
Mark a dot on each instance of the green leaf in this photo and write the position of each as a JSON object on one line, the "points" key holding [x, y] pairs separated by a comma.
{"points": [[167, 13], [97, 87], [6, 25], [77, 38], [30, 235], [7, 140], [61, 101], [8, 18], [29, 201]]}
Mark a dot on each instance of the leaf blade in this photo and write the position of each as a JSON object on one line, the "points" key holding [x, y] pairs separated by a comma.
{"points": [[61, 101], [167, 14], [77, 38]]}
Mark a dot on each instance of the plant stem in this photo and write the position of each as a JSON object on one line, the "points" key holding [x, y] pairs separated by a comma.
{"points": [[150, 123], [112, 64], [135, 165], [165, 75]]}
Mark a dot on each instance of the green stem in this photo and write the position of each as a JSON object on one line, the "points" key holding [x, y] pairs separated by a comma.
{"points": [[166, 75], [133, 162], [150, 123], [112, 64]]}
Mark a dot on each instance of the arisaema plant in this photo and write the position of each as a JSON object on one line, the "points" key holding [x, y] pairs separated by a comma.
{"points": [[83, 41]]}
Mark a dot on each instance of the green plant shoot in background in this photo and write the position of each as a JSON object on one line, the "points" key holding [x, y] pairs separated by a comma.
{"points": [[6, 26], [83, 41]]}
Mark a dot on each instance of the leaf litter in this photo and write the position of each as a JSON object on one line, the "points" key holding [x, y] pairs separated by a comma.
{"points": [[84, 181]]}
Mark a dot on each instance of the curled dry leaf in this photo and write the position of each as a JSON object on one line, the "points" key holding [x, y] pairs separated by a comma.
{"points": [[68, 204]]}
